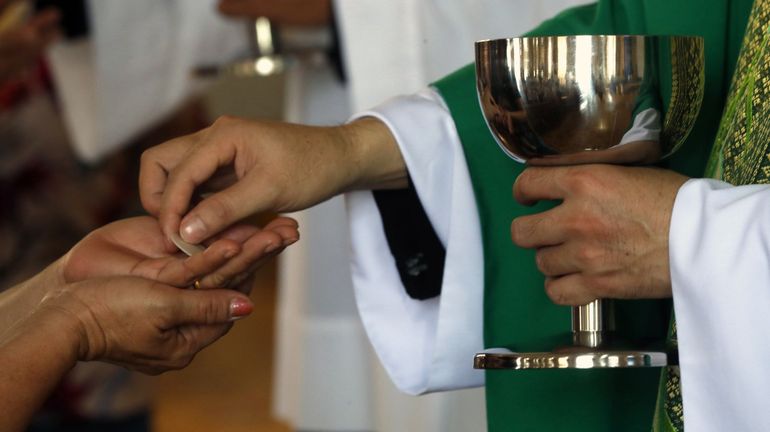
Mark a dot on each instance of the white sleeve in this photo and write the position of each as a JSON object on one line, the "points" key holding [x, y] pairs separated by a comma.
{"points": [[427, 345], [720, 272]]}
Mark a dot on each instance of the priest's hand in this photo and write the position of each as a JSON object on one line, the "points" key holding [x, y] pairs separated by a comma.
{"points": [[608, 238], [137, 247], [262, 166], [290, 12]]}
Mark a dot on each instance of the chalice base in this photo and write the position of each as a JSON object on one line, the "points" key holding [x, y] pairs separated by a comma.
{"points": [[573, 357]]}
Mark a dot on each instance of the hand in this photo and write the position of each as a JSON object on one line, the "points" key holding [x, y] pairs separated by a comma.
{"points": [[136, 247], [21, 47], [141, 324], [609, 236], [271, 166], [290, 12]]}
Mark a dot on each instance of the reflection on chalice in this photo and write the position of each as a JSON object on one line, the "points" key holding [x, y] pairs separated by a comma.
{"points": [[563, 100]]}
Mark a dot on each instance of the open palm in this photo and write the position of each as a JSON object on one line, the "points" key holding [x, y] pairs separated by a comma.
{"points": [[137, 247]]}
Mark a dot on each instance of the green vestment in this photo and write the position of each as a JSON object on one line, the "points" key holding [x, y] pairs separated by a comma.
{"points": [[517, 313]]}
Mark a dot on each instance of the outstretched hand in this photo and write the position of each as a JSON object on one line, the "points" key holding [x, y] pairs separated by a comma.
{"points": [[137, 247], [609, 236], [261, 166]]}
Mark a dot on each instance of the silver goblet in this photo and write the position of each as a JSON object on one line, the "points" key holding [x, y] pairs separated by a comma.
{"points": [[564, 100]]}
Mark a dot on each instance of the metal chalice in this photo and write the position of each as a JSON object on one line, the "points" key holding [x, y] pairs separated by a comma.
{"points": [[564, 100]]}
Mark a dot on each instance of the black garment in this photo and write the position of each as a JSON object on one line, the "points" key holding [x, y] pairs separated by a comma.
{"points": [[416, 248]]}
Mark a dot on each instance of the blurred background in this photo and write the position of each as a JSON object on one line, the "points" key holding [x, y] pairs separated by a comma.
{"points": [[87, 85]]}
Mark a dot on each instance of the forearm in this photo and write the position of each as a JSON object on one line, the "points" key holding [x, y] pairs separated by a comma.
{"points": [[373, 156], [17, 302], [34, 355]]}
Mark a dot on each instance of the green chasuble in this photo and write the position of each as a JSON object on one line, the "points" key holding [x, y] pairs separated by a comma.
{"points": [[517, 313]]}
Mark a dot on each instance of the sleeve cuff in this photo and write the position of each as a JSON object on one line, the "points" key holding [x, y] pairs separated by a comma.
{"points": [[426, 345], [719, 248]]}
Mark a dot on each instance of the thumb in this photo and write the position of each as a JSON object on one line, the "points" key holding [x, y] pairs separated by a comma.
{"points": [[210, 307], [220, 210]]}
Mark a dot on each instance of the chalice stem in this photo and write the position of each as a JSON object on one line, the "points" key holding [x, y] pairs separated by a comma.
{"points": [[591, 323]]}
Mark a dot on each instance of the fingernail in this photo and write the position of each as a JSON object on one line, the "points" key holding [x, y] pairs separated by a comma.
{"points": [[193, 231], [230, 253], [290, 241], [240, 308], [272, 247]]}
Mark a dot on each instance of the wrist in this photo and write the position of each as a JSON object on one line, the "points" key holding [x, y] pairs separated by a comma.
{"points": [[17, 302], [71, 316], [373, 155], [61, 331]]}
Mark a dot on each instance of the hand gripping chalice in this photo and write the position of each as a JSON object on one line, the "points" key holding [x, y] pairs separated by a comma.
{"points": [[564, 100]]}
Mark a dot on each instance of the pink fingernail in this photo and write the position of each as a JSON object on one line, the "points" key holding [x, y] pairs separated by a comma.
{"points": [[193, 231], [230, 253], [290, 241], [240, 308]]}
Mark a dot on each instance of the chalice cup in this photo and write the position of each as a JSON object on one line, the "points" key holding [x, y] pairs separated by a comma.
{"points": [[564, 100]]}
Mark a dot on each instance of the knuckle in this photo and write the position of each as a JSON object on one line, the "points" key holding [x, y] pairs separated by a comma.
{"points": [[221, 209], [209, 312], [521, 232], [555, 292], [579, 226], [181, 362], [218, 280], [589, 258], [521, 185], [224, 120], [583, 181], [600, 286], [544, 263], [148, 155]]}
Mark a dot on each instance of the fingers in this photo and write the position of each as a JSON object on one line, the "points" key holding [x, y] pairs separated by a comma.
{"points": [[219, 210], [255, 251], [569, 290], [281, 224], [538, 183], [216, 212], [197, 337], [207, 307], [539, 230], [182, 273], [573, 257], [156, 164]]}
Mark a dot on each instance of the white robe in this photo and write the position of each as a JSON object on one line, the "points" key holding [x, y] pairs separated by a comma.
{"points": [[720, 271], [136, 67]]}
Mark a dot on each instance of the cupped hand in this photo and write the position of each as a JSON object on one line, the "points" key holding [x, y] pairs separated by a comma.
{"points": [[142, 324], [609, 236], [137, 247], [259, 166]]}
